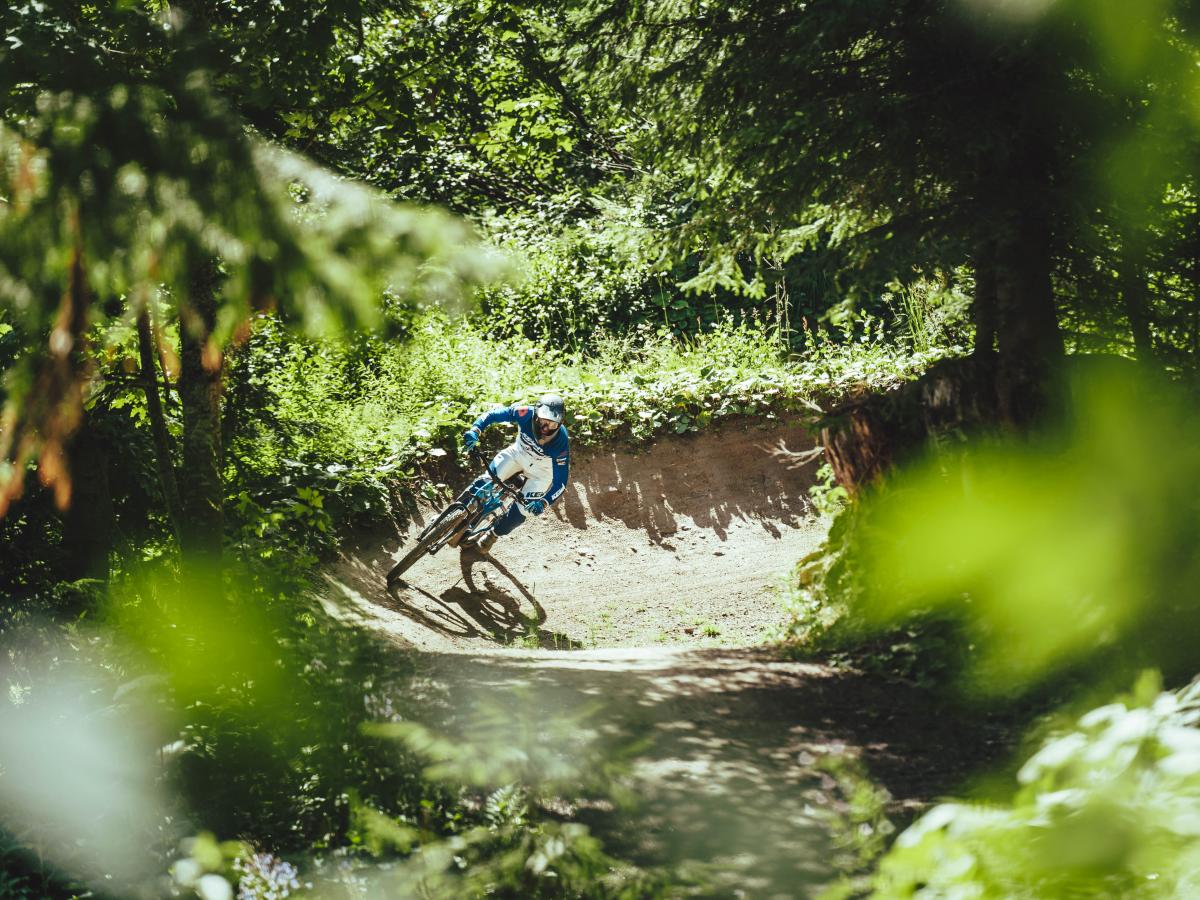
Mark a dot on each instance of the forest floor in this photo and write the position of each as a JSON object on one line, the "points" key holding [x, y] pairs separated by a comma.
{"points": [[635, 614]]}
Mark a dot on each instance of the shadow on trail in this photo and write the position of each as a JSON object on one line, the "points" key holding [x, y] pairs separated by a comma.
{"points": [[479, 606], [729, 754]]}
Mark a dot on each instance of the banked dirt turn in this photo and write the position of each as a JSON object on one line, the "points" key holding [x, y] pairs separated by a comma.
{"points": [[636, 610], [687, 542]]}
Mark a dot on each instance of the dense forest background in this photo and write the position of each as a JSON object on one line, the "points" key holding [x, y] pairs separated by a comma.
{"points": [[262, 262]]}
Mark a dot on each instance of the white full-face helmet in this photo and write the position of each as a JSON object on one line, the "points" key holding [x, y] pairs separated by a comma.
{"points": [[548, 415]]}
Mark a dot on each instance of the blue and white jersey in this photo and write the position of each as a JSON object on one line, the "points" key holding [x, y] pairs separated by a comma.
{"points": [[556, 451]]}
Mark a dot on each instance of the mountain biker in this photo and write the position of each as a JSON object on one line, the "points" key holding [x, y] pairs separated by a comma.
{"points": [[540, 451]]}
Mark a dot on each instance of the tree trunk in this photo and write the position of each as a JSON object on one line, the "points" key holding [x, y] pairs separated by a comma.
{"points": [[88, 521], [1196, 292], [866, 437], [158, 424], [1028, 343], [156, 333], [74, 460], [984, 308], [200, 489], [1137, 307]]}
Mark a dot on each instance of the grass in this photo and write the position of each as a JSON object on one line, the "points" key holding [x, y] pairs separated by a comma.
{"points": [[531, 640], [348, 420], [599, 628]]}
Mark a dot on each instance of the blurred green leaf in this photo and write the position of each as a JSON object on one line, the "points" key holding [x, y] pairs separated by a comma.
{"points": [[1053, 551]]}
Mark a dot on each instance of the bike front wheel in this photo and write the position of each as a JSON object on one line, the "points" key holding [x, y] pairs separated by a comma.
{"points": [[448, 522]]}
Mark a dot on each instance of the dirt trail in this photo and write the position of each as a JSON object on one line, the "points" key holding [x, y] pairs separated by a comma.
{"points": [[751, 771], [686, 542], [632, 612]]}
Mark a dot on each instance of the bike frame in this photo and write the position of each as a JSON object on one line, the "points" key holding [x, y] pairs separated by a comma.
{"points": [[488, 498]]}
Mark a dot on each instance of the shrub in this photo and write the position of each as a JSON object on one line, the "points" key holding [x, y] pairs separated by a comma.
{"points": [[340, 421], [1106, 808]]}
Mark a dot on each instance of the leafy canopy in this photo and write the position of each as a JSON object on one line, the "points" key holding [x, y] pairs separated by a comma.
{"points": [[124, 170]]}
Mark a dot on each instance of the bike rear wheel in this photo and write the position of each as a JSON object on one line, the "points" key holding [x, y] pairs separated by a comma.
{"points": [[430, 540]]}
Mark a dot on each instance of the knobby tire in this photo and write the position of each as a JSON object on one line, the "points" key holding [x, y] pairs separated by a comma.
{"points": [[450, 520]]}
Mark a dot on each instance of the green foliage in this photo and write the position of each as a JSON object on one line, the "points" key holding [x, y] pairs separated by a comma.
{"points": [[858, 823], [872, 138], [29, 544], [778, 165], [206, 867], [1018, 563], [181, 179], [455, 103], [1057, 566], [933, 310], [1105, 808], [257, 710], [825, 603], [596, 278], [347, 419], [575, 284], [289, 528], [525, 764], [229, 707], [828, 497], [177, 181], [547, 861], [1061, 551]]}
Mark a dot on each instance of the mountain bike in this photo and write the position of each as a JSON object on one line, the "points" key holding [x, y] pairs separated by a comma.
{"points": [[464, 520]]}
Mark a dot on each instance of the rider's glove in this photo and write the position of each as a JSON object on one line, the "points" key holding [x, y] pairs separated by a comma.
{"points": [[536, 507], [470, 439]]}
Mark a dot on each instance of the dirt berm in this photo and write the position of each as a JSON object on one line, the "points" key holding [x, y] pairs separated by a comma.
{"points": [[687, 542]]}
